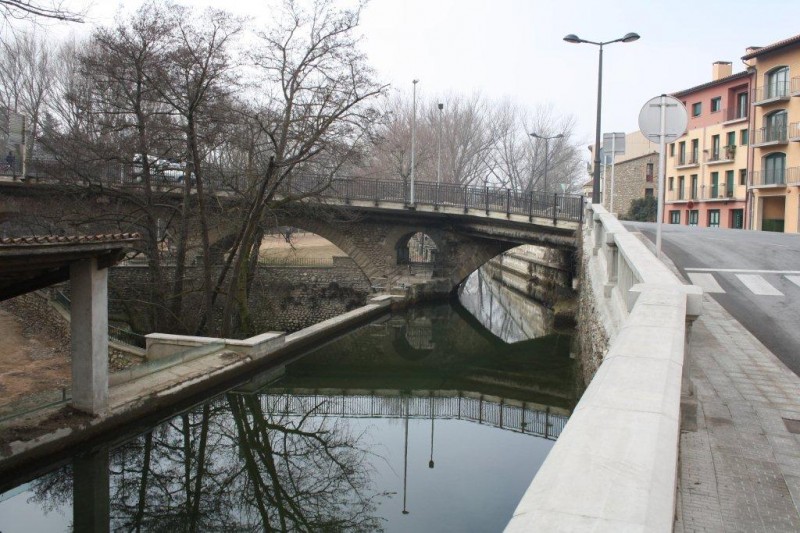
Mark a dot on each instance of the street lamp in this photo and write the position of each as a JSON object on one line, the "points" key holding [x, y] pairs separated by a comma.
{"points": [[413, 138], [572, 38], [546, 140], [439, 150]]}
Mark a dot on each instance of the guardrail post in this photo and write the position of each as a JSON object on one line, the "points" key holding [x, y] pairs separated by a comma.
{"points": [[508, 203], [555, 208], [486, 197]]}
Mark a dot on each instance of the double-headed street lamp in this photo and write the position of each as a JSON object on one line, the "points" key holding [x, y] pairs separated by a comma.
{"points": [[545, 139], [572, 38]]}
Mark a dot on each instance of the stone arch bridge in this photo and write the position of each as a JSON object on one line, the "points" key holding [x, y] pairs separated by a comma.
{"points": [[372, 220]]}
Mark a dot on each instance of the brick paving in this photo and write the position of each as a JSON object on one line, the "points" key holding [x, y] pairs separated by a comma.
{"points": [[739, 463]]}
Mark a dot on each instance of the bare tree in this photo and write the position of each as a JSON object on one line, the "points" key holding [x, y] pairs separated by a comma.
{"points": [[315, 111], [35, 9]]}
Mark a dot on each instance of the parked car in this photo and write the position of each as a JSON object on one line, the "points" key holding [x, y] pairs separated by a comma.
{"points": [[167, 170]]}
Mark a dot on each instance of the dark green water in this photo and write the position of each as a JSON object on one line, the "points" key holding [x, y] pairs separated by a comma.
{"points": [[421, 421]]}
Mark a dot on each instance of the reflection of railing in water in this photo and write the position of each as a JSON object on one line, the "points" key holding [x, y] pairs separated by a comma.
{"points": [[503, 414]]}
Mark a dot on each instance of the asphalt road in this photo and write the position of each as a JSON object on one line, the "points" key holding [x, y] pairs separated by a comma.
{"points": [[754, 275]]}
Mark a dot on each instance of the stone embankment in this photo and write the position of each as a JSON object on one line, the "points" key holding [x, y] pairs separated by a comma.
{"points": [[614, 467]]}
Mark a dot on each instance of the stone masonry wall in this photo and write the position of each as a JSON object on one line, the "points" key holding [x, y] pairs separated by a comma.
{"points": [[592, 334], [630, 182], [283, 298]]}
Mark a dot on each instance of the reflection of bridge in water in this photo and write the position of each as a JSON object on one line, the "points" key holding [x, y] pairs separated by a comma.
{"points": [[513, 415]]}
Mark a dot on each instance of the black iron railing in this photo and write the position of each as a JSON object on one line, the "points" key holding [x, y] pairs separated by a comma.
{"points": [[486, 198], [117, 334]]}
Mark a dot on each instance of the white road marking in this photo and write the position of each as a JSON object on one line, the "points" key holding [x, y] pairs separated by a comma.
{"points": [[794, 279], [758, 285], [707, 282], [742, 271]]}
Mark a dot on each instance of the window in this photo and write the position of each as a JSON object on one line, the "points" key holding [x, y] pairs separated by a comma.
{"points": [[674, 217], [741, 105], [715, 185], [774, 169], [716, 104], [737, 218], [715, 147], [775, 126], [776, 83], [744, 137], [648, 192], [693, 217], [671, 183], [672, 149], [729, 184], [695, 150], [694, 186], [742, 176], [713, 218], [680, 188], [731, 139], [648, 173], [697, 108], [682, 153]]}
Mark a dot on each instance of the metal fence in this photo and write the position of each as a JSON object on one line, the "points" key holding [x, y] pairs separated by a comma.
{"points": [[520, 418], [486, 198]]}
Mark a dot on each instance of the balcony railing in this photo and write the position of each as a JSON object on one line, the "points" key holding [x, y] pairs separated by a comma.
{"points": [[724, 154], [770, 135], [796, 86], [735, 113], [772, 92], [776, 178], [686, 159]]}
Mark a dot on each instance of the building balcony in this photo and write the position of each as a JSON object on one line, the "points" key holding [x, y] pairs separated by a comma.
{"points": [[769, 94], [731, 115], [794, 131], [795, 90], [771, 136], [775, 178], [686, 161], [721, 156]]}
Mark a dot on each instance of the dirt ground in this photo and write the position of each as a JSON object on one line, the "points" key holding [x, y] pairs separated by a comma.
{"points": [[305, 245], [30, 362]]}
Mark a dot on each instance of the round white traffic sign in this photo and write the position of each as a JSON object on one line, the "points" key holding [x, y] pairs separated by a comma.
{"points": [[675, 118]]}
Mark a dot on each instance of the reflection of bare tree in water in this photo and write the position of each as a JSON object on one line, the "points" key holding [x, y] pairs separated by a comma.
{"points": [[231, 466]]}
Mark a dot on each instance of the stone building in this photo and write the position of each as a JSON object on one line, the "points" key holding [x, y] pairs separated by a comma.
{"points": [[634, 178]]}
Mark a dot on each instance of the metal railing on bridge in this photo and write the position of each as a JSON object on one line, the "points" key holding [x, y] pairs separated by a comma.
{"points": [[490, 199], [517, 416]]}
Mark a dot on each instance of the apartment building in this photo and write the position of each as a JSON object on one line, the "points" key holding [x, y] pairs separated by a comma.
{"points": [[707, 168], [775, 157]]}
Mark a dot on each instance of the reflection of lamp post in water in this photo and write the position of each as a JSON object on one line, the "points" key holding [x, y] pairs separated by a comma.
{"points": [[430, 463], [405, 462]]}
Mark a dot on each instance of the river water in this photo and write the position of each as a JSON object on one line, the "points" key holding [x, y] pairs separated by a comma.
{"points": [[421, 421]]}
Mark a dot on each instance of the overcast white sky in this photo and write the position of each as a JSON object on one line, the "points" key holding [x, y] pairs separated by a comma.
{"points": [[515, 48]]}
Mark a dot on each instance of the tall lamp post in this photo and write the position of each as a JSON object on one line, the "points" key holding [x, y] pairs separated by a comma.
{"points": [[546, 152], [439, 149], [572, 38], [413, 138]]}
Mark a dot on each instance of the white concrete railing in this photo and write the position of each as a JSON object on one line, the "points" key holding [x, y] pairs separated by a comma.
{"points": [[614, 467]]}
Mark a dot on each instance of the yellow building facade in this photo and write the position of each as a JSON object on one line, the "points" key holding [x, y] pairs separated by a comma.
{"points": [[774, 182]]}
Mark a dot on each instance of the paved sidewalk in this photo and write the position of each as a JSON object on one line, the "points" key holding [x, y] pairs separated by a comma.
{"points": [[739, 455]]}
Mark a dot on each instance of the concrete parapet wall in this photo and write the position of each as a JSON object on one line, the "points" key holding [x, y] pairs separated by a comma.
{"points": [[614, 467]]}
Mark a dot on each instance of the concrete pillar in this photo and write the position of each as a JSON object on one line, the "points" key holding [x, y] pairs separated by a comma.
{"points": [[89, 328], [90, 492]]}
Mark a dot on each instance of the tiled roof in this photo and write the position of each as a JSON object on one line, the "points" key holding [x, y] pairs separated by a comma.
{"points": [[712, 83], [70, 239], [772, 47]]}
